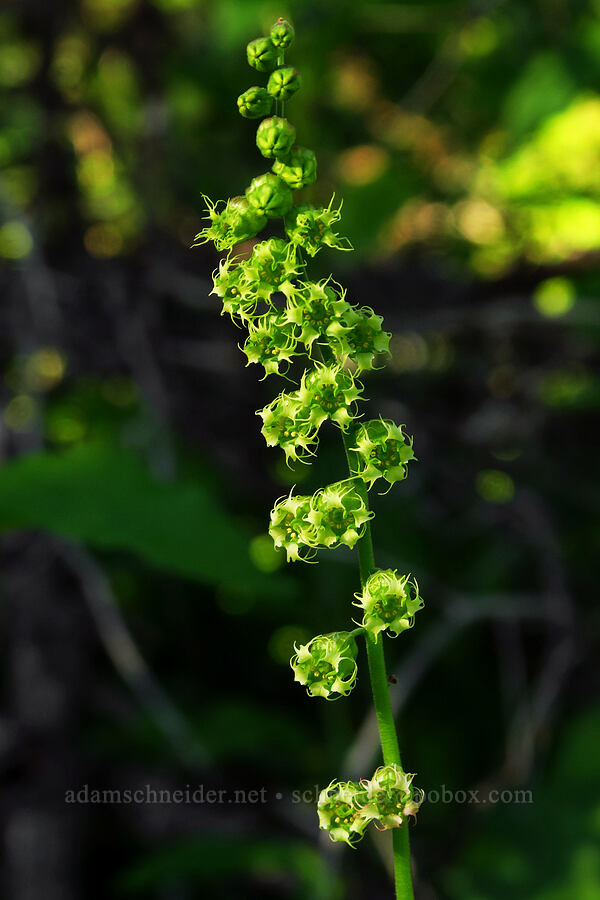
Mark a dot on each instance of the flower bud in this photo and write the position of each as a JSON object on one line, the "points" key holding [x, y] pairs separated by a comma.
{"points": [[389, 797], [275, 137], [290, 529], [328, 392], [358, 336], [283, 83], [262, 54], [244, 221], [254, 103], [299, 169], [383, 450], [339, 514], [271, 340], [310, 227], [389, 602], [339, 811], [282, 34], [287, 424], [326, 665], [269, 195]]}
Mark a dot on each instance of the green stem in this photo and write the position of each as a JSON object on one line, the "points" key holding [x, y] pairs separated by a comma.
{"points": [[377, 668], [381, 699]]}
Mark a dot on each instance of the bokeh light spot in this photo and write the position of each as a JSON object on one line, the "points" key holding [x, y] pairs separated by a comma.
{"points": [[362, 165], [44, 369], [16, 241], [19, 414], [103, 240], [479, 221], [554, 297], [495, 486], [264, 555], [281, 642]]}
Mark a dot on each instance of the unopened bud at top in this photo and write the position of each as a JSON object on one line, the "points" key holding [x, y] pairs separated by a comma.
{"points": [[282, 34]]}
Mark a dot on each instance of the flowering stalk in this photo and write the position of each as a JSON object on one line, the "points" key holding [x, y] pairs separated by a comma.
{"points": [[339, 341]]}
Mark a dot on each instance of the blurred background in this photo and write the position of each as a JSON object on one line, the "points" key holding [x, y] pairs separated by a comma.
{"points": [[147, 622]]}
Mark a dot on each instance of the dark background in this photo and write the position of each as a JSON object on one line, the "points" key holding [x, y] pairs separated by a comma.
{"points": [[146, 621]]}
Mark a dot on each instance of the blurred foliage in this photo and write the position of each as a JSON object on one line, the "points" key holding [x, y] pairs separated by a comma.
{"points": [[107, 498], [464, 140], [452, 145], [565, 861]]}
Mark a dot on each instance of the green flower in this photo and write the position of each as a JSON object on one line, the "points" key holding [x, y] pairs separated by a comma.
{"points": [[254, 103], [310, 228], [271, 340], [359, 336], [389, 797], [289, 528], [287, 424], [389, 603], [282, 34], [315, 306], [338, 513], [269, 268], [262, 54], [383, 450], [236, 222], [275, 137], [228, 284], [269, 196], [326, 665], [328, 392], [299, 169], [339, 811], [283, 83]]}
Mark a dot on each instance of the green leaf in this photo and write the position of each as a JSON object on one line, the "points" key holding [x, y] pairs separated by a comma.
{"points": [[108, 498]]}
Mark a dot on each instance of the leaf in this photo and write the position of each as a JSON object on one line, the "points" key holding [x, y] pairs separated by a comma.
{"points": [[107, 497]]}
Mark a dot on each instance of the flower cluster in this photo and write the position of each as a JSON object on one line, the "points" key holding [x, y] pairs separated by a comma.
{"points": [[293, 419], [358, 336], [382, 451], [243, 284], [270, 266], [339, 814], [338, 514], [390, 797], [271, 341], [290, 529], [389, 602], [316, 307], [328, 392], [326, 665], [265, 288], [334, 515], [310, 227], [346, 807]]}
